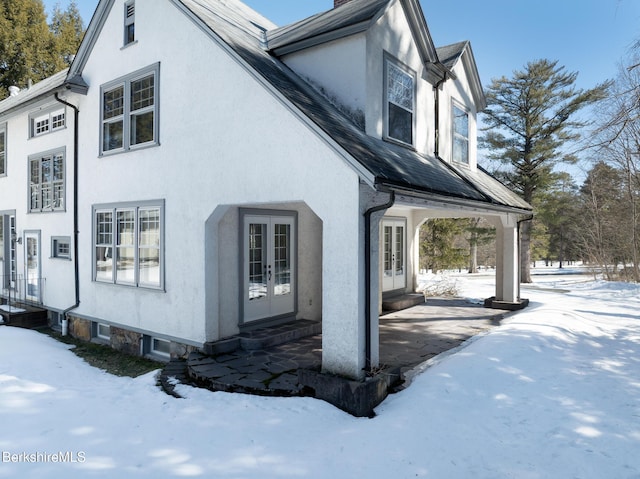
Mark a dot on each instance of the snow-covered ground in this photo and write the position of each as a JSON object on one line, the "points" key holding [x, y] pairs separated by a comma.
{"points": [[552, 393]]}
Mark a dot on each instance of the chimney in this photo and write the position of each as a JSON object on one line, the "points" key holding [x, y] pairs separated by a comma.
{"points": [[14, 90], [337, 3]]}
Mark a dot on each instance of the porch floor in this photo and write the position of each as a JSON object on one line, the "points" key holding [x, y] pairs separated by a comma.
{"points": [[407, 338]]}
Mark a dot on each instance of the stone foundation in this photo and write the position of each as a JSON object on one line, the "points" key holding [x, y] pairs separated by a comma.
{"points": [[126, 341], [80, 328]]}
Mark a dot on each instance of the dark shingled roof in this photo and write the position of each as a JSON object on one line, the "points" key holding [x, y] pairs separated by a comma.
{"points": [[391, 165], [450, 54], [347, 15]]}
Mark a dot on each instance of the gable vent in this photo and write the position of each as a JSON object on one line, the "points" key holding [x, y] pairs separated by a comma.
{"points": [[131, 10]]}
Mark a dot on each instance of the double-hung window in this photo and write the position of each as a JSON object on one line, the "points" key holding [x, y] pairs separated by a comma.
{"points": [[128, 241], [129, 108], [3, 150], [46, 121], [47, 181], [400, 102], [460, 135]]}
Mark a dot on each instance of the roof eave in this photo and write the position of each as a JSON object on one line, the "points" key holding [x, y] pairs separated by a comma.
{"points": [[90, 37], [420, 31], [423, 198], [320, 39], [77, 85]]}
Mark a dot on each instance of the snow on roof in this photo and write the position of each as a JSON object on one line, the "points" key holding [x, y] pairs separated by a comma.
{"points": [[36, 91]]}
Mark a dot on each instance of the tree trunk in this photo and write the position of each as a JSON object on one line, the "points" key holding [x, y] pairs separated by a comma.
{"points": [[525, 252], [473, 255]]}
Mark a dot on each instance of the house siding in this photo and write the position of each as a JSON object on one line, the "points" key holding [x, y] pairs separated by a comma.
{"points": [[56, 273], [224, 140]]}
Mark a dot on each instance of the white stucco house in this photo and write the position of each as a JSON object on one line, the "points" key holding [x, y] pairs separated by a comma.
{"points": [[232, 174]]}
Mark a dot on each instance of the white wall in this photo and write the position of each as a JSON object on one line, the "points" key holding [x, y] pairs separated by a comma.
{"points": [[338, 68], [458, 91], [57, 292], [391, 34], [225, 140]]}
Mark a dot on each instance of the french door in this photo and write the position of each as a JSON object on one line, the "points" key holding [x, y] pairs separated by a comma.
{"points": [[269, 266], [394, 275]]}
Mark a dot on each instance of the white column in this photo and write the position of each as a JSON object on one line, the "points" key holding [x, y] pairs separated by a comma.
{"points": [[343, 328], [507, 262]]}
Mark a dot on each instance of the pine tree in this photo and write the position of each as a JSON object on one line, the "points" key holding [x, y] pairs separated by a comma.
{"points": [[438, 247], [31, 50], [68, 29], [529, 120]]}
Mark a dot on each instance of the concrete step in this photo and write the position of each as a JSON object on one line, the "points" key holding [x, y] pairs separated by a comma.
{"points": [[404, 301]]}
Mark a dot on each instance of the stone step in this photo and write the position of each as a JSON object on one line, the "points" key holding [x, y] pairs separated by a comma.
{"points": [[398, 303], [275, 335], [267, 337]]}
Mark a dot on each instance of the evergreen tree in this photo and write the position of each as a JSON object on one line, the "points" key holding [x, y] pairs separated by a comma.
{"points": [[478, 233], [68, 29], [530, 118], [558, 212], [31, 50], [438, 245]]}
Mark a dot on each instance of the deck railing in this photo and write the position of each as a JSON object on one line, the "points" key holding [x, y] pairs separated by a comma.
{"points": [[19, 290]]}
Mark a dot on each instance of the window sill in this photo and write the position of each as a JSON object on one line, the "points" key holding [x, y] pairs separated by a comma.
{"points": [[124, 47], [393, 141], [120, 151]]}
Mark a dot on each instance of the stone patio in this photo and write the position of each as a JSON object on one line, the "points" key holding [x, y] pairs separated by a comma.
{"points": [[407, 339]]}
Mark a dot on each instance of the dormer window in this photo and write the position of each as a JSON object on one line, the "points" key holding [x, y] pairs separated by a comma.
{"points": [[129, 22], [399, 102], [460, 135]]}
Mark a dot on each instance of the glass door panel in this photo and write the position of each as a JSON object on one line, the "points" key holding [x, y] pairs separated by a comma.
{"points": [[269, 266], [32, 266], [257, 261], [394, 244]]}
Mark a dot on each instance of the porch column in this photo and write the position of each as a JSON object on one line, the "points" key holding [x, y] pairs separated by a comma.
{"points": [[343, 325], [507, 262]]}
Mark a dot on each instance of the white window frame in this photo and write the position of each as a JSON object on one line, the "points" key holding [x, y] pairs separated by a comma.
{"points": [[390, 64], [37, 187], [457, 136], [3, 150], [129, 22], [153, 347], [61, 247], [109, 243], [47, 120], [119, 110], [100, 331]]}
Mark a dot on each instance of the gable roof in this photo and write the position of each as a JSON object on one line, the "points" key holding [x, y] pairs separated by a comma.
{"points": [[352, 17], [450, 55], [378, 162], [390, 165]]}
